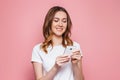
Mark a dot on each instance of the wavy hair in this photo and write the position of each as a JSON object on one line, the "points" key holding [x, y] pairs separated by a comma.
{"points": [[47, 32]]}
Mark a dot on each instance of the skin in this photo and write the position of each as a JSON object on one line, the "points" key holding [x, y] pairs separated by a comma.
{"points": [[59, 24], [58, 27]]}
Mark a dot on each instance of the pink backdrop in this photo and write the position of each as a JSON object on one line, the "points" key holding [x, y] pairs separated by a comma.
{"points": [[96, 26]]}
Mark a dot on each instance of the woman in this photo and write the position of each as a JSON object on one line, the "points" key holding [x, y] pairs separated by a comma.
{"points": [[49, 58]]}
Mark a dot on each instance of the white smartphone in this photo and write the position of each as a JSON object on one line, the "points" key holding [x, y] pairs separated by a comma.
{"points": [[69, 49]]}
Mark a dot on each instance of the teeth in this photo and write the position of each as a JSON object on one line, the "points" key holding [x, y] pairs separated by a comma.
{"points": [[59, 28]]}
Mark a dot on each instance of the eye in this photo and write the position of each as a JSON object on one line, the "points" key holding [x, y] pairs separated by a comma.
{"points": [[64, 21], [55, 20]]}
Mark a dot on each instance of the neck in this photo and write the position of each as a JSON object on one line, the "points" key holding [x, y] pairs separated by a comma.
{"points": [[57, 40]]}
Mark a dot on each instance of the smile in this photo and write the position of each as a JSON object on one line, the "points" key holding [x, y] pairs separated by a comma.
{"points": [[59, 29]]}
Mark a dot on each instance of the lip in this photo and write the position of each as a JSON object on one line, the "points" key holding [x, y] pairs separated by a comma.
{"points": [[59, 29]]}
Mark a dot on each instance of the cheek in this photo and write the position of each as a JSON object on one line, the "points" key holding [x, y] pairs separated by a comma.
{"points": [[65, 26], [53, 25], [52, 28]]}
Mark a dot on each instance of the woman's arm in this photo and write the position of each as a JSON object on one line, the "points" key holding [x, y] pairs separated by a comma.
{"points": [[77, 71], [77, 66], [39, 72], [61, 60]]}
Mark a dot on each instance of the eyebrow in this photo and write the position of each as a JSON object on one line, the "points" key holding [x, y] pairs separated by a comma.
{"points": [[58, 18]]}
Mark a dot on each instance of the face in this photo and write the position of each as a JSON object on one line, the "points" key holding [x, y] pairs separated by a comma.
{"points": [[59, 23]]}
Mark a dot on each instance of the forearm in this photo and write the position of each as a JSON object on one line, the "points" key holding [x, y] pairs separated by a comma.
{"points": [[50, 75], [77, 72]]}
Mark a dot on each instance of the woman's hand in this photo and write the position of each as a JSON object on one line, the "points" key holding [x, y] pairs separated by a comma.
{"points": [[76, 57], [61, 60], [76, 60]]}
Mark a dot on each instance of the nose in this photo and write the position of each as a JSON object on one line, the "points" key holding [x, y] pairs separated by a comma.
{"points": [[60, 24]]}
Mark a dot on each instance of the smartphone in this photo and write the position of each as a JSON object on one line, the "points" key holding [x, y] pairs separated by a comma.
{"points": [[69, 49]]}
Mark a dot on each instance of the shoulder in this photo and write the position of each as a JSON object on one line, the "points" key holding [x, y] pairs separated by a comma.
{"points": [[75, 43], [37, 46]]}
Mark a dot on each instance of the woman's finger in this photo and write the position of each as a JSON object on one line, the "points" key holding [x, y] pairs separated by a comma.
{"points": [[78, 57], [77, 50], [61, 60]]}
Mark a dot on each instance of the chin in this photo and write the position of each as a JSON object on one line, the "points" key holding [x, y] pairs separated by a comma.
{"points": [[59, 35]]}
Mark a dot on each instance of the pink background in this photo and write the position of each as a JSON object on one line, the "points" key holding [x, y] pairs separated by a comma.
{"points": [[96, 26]]}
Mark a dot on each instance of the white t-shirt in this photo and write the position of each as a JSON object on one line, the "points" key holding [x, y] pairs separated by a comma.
{"points": [[48, 60]]}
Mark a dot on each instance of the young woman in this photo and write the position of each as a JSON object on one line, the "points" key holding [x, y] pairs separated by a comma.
{"points": [[49, 58]]}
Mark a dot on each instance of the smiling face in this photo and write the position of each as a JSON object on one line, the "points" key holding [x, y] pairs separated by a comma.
{"points": [[59, 23]]}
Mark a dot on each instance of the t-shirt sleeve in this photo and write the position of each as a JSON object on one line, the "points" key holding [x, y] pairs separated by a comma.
{"points": [[36, 56], [79, 48]]}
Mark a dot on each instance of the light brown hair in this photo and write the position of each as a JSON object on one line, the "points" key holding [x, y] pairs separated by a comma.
{"points": [[47, 32]]}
